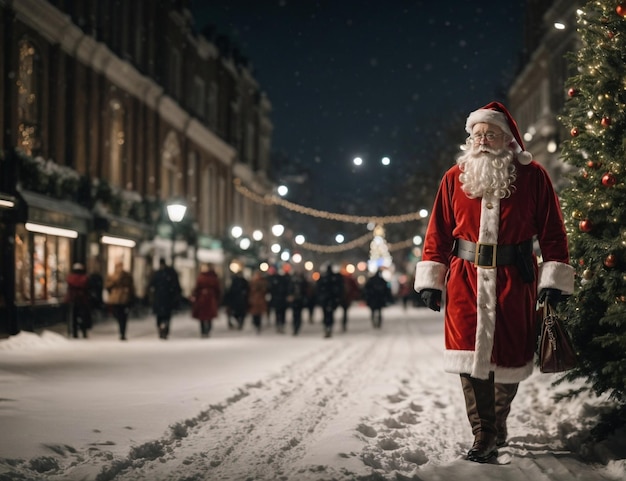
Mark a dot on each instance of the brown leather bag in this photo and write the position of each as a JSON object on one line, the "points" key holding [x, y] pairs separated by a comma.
{"points": [[556, 353]]}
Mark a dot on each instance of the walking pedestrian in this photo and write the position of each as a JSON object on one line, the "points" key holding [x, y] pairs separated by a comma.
{"points": [[377, 294], [479, 249], [329, 291], [77, 299], [257, 299], [279, 290], [237, 298], [165, 291], [205, 298], [297, 300], [121, 289], [351, 293]]}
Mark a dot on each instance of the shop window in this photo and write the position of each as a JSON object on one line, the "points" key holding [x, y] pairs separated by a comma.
{"points": [[40, 272]]}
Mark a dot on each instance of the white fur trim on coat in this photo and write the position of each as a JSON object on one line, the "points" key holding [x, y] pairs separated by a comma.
{"points": [[458, 362], [556, 275], [430, 275]]}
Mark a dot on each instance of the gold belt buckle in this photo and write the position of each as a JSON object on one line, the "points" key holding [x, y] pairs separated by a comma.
{"points": [[494, 250]]}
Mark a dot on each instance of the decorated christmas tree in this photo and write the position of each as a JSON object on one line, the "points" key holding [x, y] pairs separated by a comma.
{"points": [[594, 204]]}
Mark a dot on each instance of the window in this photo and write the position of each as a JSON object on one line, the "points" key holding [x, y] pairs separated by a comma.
{"points": [[198, 97], [171, 171], [28, 99], [116, 143], [41, 266]]}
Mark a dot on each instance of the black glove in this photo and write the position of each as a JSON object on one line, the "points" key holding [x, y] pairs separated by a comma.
{"points": [[550, 296], [431, 298]]}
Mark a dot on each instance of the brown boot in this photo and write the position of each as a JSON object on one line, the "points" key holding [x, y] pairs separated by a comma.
{"points": [[481, 412], [504, 396]]}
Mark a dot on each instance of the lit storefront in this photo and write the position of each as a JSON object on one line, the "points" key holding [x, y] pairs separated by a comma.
{"points": [[118, 239], [46, 244]]}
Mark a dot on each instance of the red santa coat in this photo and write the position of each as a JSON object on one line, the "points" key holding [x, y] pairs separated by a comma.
{"points": [[490, 313]]}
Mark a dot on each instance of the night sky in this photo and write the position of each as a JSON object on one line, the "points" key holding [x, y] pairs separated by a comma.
{"points": [[369, 78]]}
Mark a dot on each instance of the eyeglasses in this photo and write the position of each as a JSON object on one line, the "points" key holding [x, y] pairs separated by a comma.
{"points": [[489, 137]]}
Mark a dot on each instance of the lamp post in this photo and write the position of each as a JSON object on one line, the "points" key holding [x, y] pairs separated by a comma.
{"points": [[176, 212]]}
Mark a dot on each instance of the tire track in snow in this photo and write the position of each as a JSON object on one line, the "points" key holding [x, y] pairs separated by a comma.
{"points": [[282, 416]]}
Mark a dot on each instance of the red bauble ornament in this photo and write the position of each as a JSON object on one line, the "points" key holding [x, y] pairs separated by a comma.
{"points": [[581, 262], [606, 121], [585, 225], [621, 9], [593, 164], [610, 261], [572, 92], [608, 180], [575, 132]]}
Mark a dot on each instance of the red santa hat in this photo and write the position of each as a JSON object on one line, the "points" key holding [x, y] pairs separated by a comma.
{"points": [[497, 114]]}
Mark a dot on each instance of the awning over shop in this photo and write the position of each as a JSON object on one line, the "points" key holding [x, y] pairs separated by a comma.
{"points": [[44, 210], [122, 227], [10, 208]]}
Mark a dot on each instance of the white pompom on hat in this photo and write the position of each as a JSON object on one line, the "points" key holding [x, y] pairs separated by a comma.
{"points": [[497, 114]]}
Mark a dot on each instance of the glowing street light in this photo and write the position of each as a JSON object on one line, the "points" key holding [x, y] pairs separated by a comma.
{"points": [[236, 231], [278, 229]]}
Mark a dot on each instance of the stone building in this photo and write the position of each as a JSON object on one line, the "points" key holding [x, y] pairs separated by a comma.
{"points": [[111, 111]]}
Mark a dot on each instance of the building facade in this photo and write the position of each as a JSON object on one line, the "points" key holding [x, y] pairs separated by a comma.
{"points": [[111, 111], [538, 93]]}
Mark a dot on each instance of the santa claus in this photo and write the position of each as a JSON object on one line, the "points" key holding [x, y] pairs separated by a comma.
{"points": [[479, 254]]}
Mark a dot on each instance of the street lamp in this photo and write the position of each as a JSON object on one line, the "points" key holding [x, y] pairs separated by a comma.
{"points": [[176, 212]]}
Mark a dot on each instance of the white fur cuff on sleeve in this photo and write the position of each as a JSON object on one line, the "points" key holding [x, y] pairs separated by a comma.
{"points": [[556, 275], [430, 275]]}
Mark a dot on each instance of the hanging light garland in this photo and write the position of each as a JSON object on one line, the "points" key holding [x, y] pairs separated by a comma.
{"points": [[355, 219]]}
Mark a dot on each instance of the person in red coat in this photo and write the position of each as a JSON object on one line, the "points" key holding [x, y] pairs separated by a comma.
{"points": [[205, 298], [479, 253], [77, 298]]}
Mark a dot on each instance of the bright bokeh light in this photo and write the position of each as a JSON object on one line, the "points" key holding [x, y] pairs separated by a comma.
{"points": [[385, 161], [299, 239], [362, 266], [423, 213], [264, 267], [357, 161], [282, 190], [176, 211], [559, 25], [234, 267], [315, 276], [257, 235], [350, 268], [417, 240], [339, 238], [236, 231], [285, 256], [297, 258], [275, 248], [278, 229], [245, 243], [308, 265]]}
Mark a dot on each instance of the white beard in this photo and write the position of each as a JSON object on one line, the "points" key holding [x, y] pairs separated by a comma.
{"points": [[487, 171]]}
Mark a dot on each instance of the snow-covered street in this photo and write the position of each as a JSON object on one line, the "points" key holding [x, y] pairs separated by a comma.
{"points": [[364, 405]]}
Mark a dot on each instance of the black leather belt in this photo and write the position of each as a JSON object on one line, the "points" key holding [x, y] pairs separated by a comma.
{"points": [[491, 255]]}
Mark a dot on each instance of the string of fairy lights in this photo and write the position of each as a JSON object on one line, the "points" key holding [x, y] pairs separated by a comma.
{"points": [[271, 199]]}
